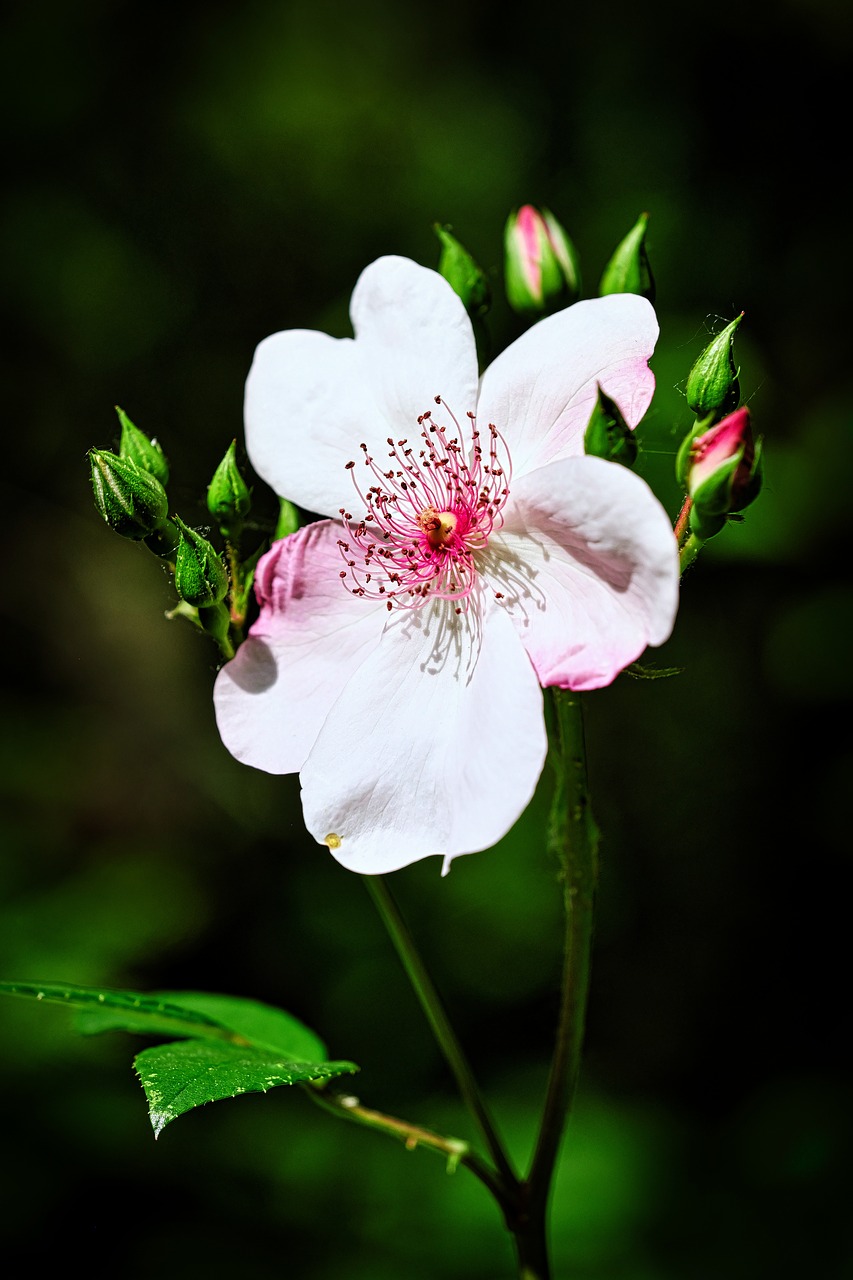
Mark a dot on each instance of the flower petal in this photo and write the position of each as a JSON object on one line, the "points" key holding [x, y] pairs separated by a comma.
{"points": [[306, 406], [311, 400], [272, 698], [541, 390], [416, 340], [434, 746], [587, 564]]}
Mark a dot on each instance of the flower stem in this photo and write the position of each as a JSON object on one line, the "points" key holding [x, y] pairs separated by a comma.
{"points": [[681, 527], [440, 1023], [689, 551], [573, 839]]}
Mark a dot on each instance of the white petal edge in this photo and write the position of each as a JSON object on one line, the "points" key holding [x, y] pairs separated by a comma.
{"points": [[541, 390], [588, 566], [271, 699], [434, 747], [416, 342]]}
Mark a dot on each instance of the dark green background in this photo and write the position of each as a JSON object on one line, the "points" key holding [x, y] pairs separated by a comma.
{"points": [[179, 184]]}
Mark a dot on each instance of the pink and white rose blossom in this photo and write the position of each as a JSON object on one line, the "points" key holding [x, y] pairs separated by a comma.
{"points": [[469, 555]]}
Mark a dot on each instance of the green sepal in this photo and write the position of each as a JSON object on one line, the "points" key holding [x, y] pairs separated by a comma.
{"points": [[712, 384], [131, 501], [683, 458], [164, 541], [227, 1046], [629, 269], [288, 520], [714, 496], [229, 498], [201, 578], [145, 452], [462, 273], [608, 435], [705, 525]]}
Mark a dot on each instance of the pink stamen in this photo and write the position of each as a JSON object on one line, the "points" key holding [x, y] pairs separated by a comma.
{"points": [[426, 518]]}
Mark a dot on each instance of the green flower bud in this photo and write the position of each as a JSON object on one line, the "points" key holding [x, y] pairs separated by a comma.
{"points": [[712, 384], [132, 501], [628, 270], [200, 576], [541, 270], [460, 270], [607, 433], [228, 496], [146, 453]]}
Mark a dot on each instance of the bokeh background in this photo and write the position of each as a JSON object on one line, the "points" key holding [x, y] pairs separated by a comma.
{"points": [[179, 183]]}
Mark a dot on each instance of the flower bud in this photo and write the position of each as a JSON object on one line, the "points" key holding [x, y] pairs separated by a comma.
{"points": [[712, 384], [132, 501], [463, 274], [200, 576], [628, 270], [723, 472], [228, 496], [541, 267], [146, 453], [607, 433]]}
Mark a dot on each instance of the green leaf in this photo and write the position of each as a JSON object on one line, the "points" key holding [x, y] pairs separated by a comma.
{"points": [[178, 1077], [125, 1010]]}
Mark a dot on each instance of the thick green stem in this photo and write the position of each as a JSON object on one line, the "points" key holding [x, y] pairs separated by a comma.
{"points": [[573, 839], [440, 1023]]}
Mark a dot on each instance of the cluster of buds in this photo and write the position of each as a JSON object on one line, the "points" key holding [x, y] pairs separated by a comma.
{"points": [[129, 487], [719, 463]]}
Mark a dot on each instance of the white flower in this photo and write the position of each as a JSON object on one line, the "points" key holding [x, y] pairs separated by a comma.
{"points": [[471, 554]]}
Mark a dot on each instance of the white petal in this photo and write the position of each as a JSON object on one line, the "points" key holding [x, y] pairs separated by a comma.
{"points": [[272, 698], [433, 748], [416, 340], [588, 566], [306, 409], [541, 390]]}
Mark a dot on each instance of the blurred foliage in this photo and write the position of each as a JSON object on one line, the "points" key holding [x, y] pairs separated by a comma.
{"points": [[175, 187]]}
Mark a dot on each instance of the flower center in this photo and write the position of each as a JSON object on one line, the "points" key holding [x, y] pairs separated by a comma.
{"points": [[426, 516]]}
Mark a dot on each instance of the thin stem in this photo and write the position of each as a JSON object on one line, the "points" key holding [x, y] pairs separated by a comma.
{"points": [[681, 521], [573, 837], [454, 1150], [689, 551], [439, 1022]]}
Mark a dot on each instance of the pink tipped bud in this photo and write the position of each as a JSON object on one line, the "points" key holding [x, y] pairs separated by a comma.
{"points": [[724, 471], [541, 264]]}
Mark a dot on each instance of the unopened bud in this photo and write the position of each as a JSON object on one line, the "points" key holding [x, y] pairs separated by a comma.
{"points": [[712, 384], [146, 453], [288, 519], [132, 501], [608, 435], [463, 274], [228, 496], [200, 576], [724, 471], [629, 270], [541, 267]]}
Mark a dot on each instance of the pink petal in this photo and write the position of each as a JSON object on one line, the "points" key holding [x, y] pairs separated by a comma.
{"points": [[541, 390], [311, 635], [433, 748], [587, 563]]}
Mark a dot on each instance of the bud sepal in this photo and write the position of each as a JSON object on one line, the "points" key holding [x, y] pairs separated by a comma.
{"points": [[462, 273], [201, 578], [629, 269], [145, 452], [712, 384], [131, 500], [229, 498], [607, 433]]}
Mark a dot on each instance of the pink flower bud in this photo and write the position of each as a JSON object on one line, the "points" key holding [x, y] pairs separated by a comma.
{"points": [[542, 270], [724, 465]]}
